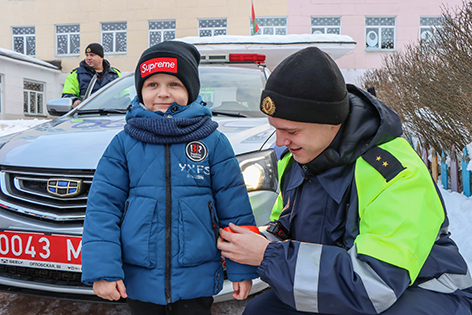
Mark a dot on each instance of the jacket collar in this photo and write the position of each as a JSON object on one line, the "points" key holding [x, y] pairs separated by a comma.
{"points": [[195, 109], [335, 180]]}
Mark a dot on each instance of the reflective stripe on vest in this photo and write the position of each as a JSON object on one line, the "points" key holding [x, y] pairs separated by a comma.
{"points": [[305, 282], [380, 294]]}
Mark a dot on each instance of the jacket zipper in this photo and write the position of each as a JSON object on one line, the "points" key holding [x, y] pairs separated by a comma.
{"points": [[168, 244], [213, 219], [124, 213]]}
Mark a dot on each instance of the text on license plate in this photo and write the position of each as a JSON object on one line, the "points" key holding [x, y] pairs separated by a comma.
{"points": [[43, 251]]}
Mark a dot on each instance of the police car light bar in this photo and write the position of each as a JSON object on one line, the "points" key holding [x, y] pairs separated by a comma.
{"points": [[257, 58], [233, 58]]}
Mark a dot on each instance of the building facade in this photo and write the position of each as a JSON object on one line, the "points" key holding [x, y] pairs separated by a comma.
{"points": [[61, 29], [379, 27], [26, 84]]}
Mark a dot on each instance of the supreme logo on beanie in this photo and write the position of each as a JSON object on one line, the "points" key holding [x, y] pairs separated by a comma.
{"points": [[172, 57], [307, 86], [95, 48]]}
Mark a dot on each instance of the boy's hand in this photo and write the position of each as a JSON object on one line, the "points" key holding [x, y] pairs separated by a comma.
{"points": [[241, 289], [110, 290]]}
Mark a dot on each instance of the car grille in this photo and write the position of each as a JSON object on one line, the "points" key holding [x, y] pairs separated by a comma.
{"points": [[48, 194], [41, 275]]}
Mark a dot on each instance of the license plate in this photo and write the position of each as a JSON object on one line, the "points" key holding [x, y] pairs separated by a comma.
{"points": [[43, 251]]}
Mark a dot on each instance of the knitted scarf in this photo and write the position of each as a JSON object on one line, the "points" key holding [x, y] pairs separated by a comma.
{"points": [[170, 130]]}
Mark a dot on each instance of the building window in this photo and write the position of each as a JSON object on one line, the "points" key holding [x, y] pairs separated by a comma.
{"points": [[114, 37], [1, 92], [68, 39], [271, 25], [33, 98], [211, 27], [24, 40], [428, 26], [326, 25], [380, 33], [160, 31]]}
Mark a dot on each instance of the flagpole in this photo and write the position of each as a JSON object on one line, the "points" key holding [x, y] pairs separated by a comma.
{"points": [[255, 27]]}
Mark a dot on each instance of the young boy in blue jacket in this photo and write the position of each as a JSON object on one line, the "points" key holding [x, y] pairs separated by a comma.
{"points": [[161, 191]]}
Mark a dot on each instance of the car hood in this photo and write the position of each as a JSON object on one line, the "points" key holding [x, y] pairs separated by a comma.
{"points": [[78, 143]]}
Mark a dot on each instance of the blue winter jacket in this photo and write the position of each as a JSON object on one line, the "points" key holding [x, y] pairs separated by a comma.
{"points": [[154, 210]]}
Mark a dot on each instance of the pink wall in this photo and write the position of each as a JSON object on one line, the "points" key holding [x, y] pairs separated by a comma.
{"points": [[353, 13]]}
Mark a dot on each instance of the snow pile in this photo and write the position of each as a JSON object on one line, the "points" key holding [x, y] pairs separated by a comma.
{"points": [[15, 55], [270, 39], [11, 126]]}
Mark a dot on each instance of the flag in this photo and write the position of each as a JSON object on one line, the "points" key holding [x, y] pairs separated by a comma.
{"points": [[255, 27]]}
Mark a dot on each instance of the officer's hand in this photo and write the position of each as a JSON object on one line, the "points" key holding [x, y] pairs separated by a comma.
{"points": [[76, 103], [242, 246]]}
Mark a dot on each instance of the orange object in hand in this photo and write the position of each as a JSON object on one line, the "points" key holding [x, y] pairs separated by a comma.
{"points": [[252, 228]]}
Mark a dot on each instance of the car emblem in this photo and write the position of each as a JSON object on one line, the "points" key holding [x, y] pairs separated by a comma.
{"points": [[64, 187]]}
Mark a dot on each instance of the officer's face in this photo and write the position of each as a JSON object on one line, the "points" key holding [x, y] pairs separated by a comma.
{"points": [[305, 140], [94, 61]]}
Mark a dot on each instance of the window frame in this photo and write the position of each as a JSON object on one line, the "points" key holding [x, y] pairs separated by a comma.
{"points": [[326, 26], [212, 29], [68, 54], [24, 36], [28, 96], [2, 79], [261, 20], [114, 32], [160, 30], [380, 35], [431, 27]]}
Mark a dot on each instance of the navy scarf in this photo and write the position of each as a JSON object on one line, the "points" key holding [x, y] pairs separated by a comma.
{"points": [[170, 130]]}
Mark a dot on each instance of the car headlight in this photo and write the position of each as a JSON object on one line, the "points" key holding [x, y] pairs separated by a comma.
{"points": [[259, 170]]}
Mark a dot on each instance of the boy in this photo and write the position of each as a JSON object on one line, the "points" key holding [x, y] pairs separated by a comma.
{"points": [[161, 191]]}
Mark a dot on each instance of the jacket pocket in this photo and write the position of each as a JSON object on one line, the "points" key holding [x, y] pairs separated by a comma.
{"points": [[198, 228], [138, 236]]}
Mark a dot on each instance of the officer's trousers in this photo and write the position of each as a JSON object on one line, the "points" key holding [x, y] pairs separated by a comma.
{"points": [[414, 301]]}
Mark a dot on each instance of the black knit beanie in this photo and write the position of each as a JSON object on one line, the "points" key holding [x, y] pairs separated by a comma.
{"points": [[95, 48], [172, 57], [307, 86]]}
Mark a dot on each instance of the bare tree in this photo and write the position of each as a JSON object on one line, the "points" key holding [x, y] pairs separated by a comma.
{"points": [[429, 83]]}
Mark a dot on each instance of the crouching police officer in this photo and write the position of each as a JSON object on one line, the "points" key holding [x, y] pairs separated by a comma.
{"points": [[362, 226]]}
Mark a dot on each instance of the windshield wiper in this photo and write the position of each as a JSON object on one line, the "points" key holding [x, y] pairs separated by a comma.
{"points": [[103, 111], [231, 114]]}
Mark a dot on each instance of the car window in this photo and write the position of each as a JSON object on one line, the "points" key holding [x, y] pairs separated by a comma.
{"points": [[225, 89], [232, 89], [116, 96]]}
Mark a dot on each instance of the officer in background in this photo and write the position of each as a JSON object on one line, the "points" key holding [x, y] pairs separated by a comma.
{"points": [[93, 73]]}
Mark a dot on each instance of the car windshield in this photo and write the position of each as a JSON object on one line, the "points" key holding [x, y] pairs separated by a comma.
{"points": [[227, 91]]}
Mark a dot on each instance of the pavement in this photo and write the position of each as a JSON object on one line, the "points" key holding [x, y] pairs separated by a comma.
{"points": [[17, 304]]}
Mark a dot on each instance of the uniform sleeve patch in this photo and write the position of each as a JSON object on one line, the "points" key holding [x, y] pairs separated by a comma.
{"points": [[384, 162]]}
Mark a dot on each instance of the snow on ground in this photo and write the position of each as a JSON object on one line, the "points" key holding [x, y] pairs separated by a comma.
{"points": [[459, 207]]}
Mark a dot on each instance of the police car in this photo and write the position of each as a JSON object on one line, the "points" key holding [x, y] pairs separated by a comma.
{"points": [[46, 173]]}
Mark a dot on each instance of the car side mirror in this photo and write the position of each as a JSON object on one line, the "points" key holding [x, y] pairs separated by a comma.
{"points": [[59, 106]]}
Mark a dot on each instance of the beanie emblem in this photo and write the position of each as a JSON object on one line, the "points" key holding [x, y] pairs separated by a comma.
{"points": [[158, 65], [268, 106], [89, 50]]}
